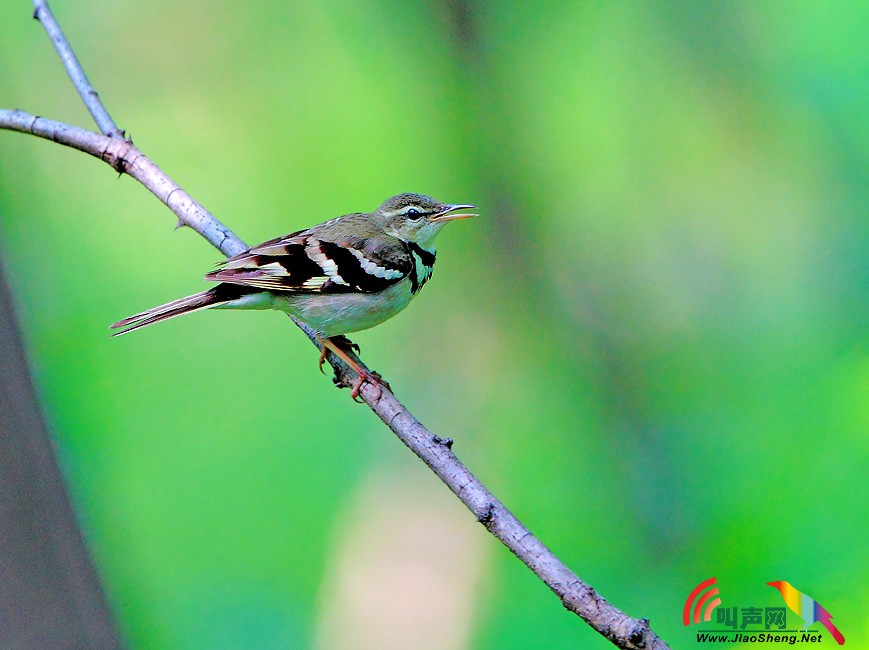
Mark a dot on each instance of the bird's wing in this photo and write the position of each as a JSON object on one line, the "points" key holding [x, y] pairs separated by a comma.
{"points": [[321, 260]]}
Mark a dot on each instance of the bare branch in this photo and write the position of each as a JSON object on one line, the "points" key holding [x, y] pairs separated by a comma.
{"points": [[89, 96], [578, 597], [126, 158]]}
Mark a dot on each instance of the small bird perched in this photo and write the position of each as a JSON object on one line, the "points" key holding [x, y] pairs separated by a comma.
{"points": [[345, 275], [807, 609]]}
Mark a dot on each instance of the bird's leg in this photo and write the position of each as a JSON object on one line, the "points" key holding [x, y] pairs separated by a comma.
{"points": [[340, 349], [341, 341]]}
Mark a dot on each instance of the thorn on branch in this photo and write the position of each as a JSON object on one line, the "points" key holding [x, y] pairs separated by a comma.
{"points": [[638, 634], [446, 442], [487, 515], [117, 162]]}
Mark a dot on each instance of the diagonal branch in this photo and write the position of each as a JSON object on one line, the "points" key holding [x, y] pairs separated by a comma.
{"points": [[435, 452]]}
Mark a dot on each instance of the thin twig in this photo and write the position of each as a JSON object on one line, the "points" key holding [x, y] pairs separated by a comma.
{"points": [[89, 96], [575, 595]]}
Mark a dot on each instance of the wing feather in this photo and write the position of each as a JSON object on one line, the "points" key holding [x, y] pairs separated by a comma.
{"points": [[318, 261]]}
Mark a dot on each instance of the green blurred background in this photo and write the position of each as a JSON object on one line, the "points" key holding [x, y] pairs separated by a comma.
{"points": [[652, 345]]}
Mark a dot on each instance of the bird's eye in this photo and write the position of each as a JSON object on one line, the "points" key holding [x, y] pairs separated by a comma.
{"points": [[412, 212]]}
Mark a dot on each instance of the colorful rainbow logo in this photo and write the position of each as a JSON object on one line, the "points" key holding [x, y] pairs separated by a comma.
{"points": [[704, 600], [807, 608]]}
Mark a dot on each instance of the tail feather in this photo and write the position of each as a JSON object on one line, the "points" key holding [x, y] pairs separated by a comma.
{"points": [[197, 301], [832, 629]]}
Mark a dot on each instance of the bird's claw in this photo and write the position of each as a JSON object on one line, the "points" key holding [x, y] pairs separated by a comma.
{"points": [[341, 347], [323, 354], [372, 378]]}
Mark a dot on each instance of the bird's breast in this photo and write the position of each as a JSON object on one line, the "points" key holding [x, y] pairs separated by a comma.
{"points": [[342, 313]]}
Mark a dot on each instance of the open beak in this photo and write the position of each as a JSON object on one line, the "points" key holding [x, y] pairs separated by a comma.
{"points": [[449, 213]]}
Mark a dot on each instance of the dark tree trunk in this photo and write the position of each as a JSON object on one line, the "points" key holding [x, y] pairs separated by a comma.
{"points": [[50, 594]]}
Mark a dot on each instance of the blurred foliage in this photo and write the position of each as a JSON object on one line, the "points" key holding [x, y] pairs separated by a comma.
{"points": [[652, 344]]}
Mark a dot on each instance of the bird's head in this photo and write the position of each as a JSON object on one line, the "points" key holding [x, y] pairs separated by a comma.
{"points": [[778, 584], [418, 218]]}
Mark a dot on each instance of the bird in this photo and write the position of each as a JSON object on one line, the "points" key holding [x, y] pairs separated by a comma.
{"points": [[807, 609], [341, 276]]}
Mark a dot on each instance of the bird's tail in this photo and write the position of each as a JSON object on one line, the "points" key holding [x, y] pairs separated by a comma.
{"points": [[197, 301], [824, 619]]}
